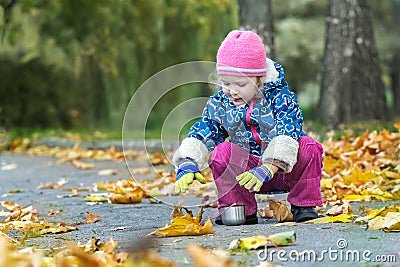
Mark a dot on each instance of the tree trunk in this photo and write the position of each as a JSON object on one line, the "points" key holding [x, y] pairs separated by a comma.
{"points": [[351, 86], [394, 64], [256, 15], [395, 77]]}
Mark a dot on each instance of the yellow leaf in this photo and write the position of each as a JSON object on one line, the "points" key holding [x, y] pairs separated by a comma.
{"points": [[392, 175], [185, 225], [101, 186], [342, 218], [326, 183], [56, 229], [82, 165], [96, 198], [128, 198], [255, 242], [283, 239], [378, 212], [252, 242], [390, 222]]}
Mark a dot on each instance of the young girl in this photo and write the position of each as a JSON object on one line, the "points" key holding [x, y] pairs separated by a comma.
{"points": [[267, 148]]}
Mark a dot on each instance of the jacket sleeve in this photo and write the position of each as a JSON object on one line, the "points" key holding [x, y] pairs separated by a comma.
{"points": [[203, 136], [283, 147]]}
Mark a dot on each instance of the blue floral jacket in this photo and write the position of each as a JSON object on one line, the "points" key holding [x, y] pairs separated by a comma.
{"points": [[276, 112]]}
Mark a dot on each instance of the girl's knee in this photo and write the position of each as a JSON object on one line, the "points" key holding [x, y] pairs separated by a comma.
{"points": [[220, 154]]}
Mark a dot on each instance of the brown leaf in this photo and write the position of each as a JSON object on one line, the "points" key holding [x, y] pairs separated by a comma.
{"points": [[92, 218], [204, 258], [10, 205], [82, 165], [265, 212], [53, 185], [128, 198], [281, 211], [340, 208]]}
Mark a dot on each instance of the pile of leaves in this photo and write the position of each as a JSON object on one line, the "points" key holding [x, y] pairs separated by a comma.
{"points": [[25, 219], [362, 168]]}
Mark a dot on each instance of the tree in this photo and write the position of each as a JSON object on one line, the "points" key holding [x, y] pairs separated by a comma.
{"points": [[351, 86], [256, 15], [395, 68]]}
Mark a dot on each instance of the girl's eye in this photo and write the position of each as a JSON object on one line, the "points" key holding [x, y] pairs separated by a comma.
{"points": [[241, 84], [225, 83]]}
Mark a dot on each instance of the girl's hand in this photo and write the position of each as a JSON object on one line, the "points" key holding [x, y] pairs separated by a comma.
{"points": [[186, 174], [255, 177]]}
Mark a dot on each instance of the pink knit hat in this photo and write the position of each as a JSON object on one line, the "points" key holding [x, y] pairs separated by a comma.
{"points": [[242, 53]]}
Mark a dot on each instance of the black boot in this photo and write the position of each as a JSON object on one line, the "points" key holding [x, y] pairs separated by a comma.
{"points": [[302, 214]]}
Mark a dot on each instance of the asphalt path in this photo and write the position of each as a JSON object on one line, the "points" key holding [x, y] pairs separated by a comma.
{"points": [[338, 244]]}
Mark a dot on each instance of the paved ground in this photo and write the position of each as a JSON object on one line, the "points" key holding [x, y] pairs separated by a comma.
{"points": [[136, 221]]}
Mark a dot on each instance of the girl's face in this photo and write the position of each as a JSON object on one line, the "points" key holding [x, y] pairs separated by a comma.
{"points": [[240, 90]]}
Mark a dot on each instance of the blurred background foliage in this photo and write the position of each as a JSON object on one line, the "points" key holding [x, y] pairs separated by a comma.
{"points": [[76, 64]]}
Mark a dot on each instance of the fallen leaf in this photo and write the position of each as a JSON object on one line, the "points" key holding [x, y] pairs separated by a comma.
{"points": [[10, 205], [107, 172], [92, 218], [255, 242], [390, 222], [281, 211], [342, 218], [53, 212], [339, 208], [128, 198], [247, 243], [265, 212], [283, 239], [378, 212], [93, 198], [159, 158], [149, 258], [185, 225], [82, 165], [59, 184], [204, 258]]}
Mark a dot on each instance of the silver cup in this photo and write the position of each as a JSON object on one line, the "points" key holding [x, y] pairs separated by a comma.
{"points": [[233, 215]]}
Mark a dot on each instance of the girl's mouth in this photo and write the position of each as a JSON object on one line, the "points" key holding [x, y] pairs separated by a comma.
{"points": [[238, 99]]}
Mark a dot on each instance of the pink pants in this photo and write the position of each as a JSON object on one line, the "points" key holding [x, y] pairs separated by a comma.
{"points": [[229, 160]]}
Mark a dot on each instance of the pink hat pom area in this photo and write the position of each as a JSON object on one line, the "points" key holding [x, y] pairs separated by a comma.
{"points": [[242, 53]]}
